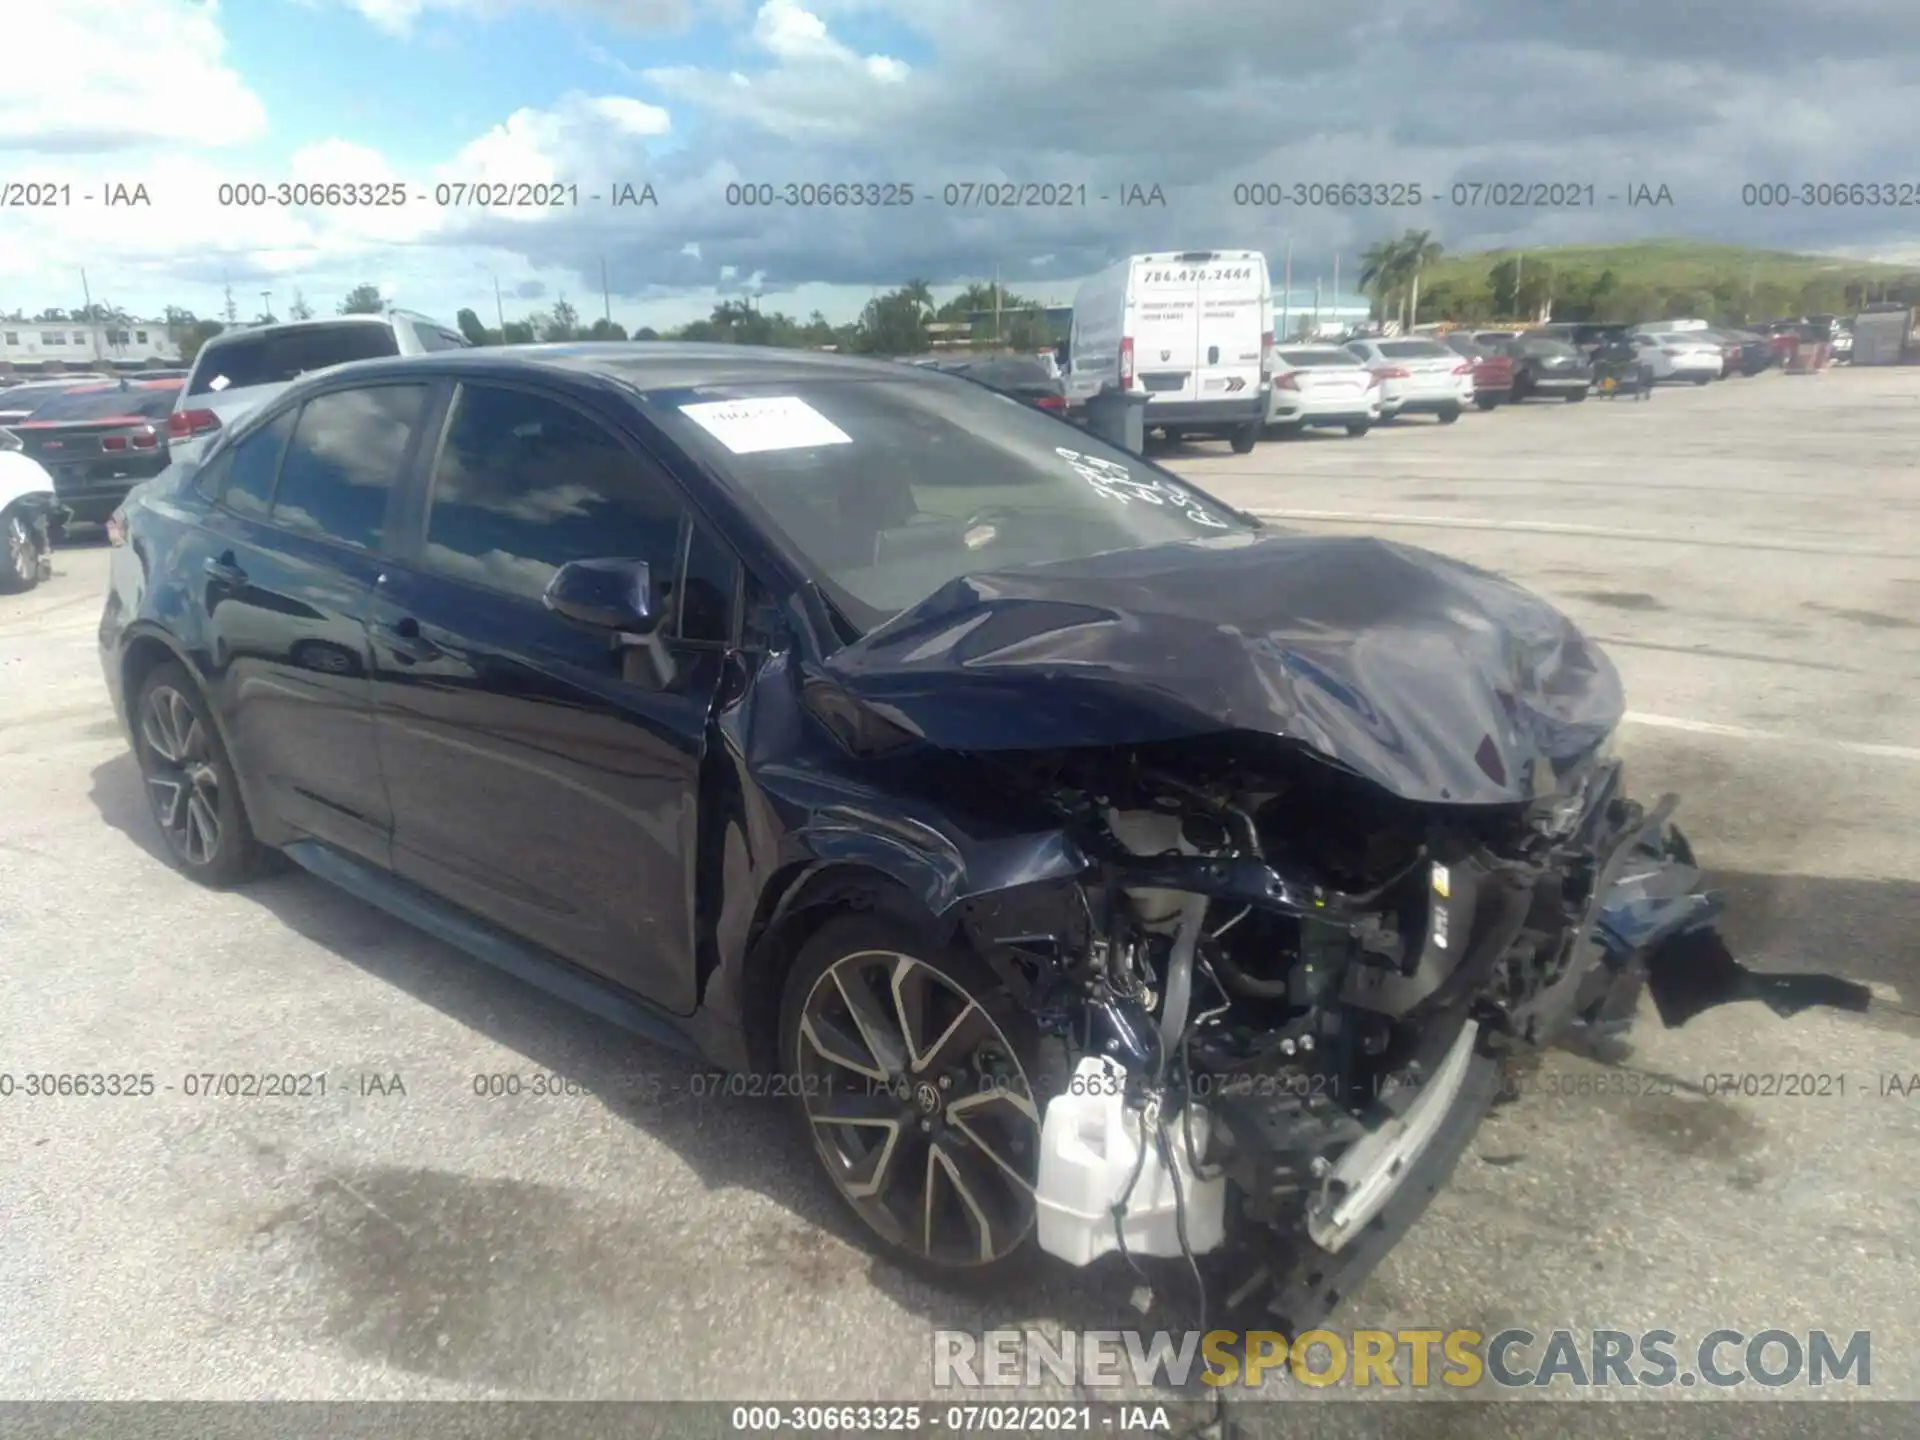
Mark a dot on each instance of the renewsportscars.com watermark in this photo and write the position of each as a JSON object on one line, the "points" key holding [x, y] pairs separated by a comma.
{"points": [[1510, 1359]]}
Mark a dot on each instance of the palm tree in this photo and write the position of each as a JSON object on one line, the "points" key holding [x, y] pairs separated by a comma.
{"points": [[1381, 271], [1418, 249]]}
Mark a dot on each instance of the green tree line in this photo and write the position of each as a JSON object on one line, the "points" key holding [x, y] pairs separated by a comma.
{"points": [[896, 323], [1411, 279]]}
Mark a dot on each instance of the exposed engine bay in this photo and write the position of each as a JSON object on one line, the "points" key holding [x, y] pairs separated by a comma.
{"points": [[1303, 987], [1333, 829]]}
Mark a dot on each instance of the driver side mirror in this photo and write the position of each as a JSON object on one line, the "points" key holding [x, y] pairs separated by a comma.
{"points": [[607, 595]]}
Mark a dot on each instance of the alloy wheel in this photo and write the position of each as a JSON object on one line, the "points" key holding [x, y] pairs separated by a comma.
{"points": [[919, 1108], [182, 780], [23, 556]]}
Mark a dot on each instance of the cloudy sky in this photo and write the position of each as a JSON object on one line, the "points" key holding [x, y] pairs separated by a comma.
{"points": [[1088, 96]]}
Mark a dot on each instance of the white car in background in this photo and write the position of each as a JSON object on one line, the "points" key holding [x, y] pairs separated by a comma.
{"points": [[239, 369], [1681, 355], [1418, 377], [1322, 385]]}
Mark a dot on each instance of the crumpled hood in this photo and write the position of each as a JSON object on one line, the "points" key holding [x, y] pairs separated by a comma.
{"points": [[1435, 679]]}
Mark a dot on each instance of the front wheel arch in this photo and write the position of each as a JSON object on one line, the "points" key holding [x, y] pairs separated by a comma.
{"points": [[796, 906]]}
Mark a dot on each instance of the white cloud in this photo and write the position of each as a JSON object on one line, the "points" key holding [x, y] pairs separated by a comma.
{"points": [[399, 17], [88, 76], [786, 30], [564, 143]]}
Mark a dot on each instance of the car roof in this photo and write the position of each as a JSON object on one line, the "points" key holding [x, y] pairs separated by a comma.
{"points": [[286, 327], [645, 365]]}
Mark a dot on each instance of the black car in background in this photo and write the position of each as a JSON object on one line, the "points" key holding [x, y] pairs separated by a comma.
{"points": [[1021, 376], [1547, 366], [98, 441], [857, 729], [1752, 352], [1584, 336]]}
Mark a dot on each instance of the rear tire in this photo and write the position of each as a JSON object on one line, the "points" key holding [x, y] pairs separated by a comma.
{"points": [[938, 1068], [1576, 397], [1246, 437], [1486, 402], [192, 792], [1448, 414], [1703, 379], [1356, 431], [1287, 430], [19, 554]]}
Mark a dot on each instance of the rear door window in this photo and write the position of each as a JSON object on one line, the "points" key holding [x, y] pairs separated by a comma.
{"points": [[345, 457], [281, 356], [246, 470]]}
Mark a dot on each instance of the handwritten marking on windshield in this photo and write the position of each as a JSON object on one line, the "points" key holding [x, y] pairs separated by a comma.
{"points": [[1120, 485]]}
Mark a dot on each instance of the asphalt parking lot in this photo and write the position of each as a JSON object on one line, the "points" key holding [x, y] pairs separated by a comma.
{"points": [[1750, 555]]}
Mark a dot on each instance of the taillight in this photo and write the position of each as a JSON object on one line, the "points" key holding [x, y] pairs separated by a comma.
{"points": [[1288, 381], [1051, 402], [1126, 362], [114, 442], [185, 424], [1393, 372], [1465, 367]]}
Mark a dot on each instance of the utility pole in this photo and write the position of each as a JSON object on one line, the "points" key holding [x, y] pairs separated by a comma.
{"points": [[996, 302], [233, 311], [266, 302], [606, 300], [499, 311], [1286, 304], [92, 326]]}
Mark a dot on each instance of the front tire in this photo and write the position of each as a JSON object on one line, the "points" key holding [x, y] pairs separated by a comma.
{"points": [[916, 1079], [1246, 437], [19, 555], [191, 789]]}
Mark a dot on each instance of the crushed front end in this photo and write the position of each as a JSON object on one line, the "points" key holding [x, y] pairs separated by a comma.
{"points": [[1289, 996]]}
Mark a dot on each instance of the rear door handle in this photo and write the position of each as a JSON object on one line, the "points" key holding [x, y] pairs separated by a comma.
{"points": [[408, 645], [225, 570]]}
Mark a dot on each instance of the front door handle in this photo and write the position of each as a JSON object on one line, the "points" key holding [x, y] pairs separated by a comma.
{"points": [[408, 645], [223, 569]]}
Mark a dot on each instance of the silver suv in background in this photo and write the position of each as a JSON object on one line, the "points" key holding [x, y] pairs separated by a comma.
{"points": [[239, 369]]}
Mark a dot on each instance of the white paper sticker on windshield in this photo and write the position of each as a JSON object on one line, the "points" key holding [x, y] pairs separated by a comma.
{"points": [[219, 382], [1119, 484], [775, 422]]}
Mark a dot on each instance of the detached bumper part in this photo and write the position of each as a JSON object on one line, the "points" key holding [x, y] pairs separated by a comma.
{"points": [[1098, 1152], [1371, 1173]]}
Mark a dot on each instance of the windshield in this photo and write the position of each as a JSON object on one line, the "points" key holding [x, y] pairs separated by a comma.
{"points": [[890, 488], [1313, 359], [1544, 347], [149, 404], [1412, 349], [278, 357]]}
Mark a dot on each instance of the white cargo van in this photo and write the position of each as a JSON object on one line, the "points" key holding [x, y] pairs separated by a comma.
{"points": [[1193, 330]]}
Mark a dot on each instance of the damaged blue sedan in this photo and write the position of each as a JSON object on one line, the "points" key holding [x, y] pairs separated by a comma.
{"points": [[1094, 868]]}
